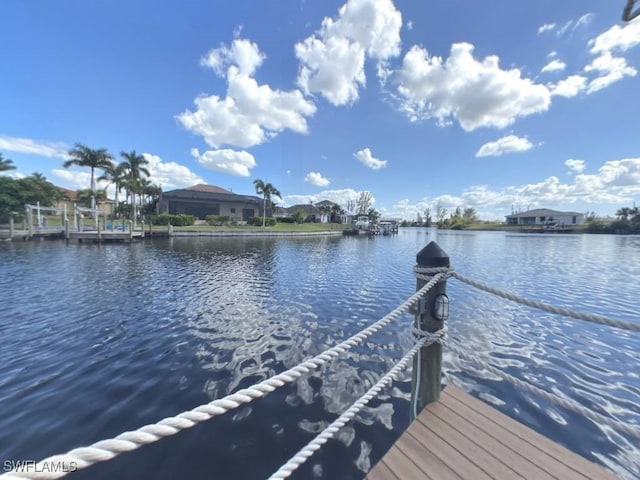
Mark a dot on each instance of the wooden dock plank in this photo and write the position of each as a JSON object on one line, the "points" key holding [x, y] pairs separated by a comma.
{"points": [[461, 437], [383, 472], [454, 432], [519, 455], [438, 445], [402, 466], [551, 451], [431, 464]]}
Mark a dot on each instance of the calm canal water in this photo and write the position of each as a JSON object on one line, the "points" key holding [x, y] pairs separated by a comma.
{"points": [[96, 340]]}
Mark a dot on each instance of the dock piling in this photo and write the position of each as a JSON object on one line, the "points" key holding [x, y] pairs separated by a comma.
{"points": [[427, 365]]}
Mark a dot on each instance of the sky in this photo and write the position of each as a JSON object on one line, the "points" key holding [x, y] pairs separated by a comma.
{"points": [[497, 105]]}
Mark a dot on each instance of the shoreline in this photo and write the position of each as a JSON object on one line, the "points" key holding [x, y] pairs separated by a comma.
{"points": [[239, 233]]}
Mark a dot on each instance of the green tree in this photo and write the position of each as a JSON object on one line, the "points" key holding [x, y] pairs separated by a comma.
{"points": [[326, 210], [6, 164], [373, 215], [336, 213], [136, 168], [623, 213], [15, 193], [299, 216], [151, 193], [470, 216], [116, 174], [427, 217], [87, 195], [441, 214], [267, 191], [83, 156]]}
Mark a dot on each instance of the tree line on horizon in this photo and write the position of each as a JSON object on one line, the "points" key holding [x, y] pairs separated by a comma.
{"points": [[627, 222]]}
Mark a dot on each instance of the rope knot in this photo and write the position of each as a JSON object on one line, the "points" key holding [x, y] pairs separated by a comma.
{"points": [[439, 336], [427, 273]]}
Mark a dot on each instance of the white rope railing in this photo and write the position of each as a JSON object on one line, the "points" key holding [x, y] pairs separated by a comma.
{"points": [[307, 451], [104, 450], [589, 317], [628, 428]]}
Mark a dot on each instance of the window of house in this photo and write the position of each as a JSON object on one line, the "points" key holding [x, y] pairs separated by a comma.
{"points": [[233, 210], [574, 219]]}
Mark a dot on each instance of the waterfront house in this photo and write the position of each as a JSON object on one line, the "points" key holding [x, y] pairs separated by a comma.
{"points": [[311, 212], [202, 200], [545, 216], [70, 198]]}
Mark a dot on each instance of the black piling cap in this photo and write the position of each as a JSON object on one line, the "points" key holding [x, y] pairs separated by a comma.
{"points": [[432, 256]]}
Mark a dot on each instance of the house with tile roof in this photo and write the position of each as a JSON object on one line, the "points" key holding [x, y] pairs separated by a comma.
{"points": [[202, 200]]}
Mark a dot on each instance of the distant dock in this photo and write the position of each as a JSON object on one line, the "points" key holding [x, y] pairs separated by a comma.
{"points": [[77, 236]]}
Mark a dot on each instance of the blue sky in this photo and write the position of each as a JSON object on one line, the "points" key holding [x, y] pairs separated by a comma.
{"points": [[490, 104]]}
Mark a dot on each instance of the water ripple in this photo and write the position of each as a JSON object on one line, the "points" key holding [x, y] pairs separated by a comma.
{"points": [[116, 336]]}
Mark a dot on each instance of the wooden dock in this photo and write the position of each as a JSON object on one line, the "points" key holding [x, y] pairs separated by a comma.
{"points": [[460, 437], [94, 236], [86, 236]]}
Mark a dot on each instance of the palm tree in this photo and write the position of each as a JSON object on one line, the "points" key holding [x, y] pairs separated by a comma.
{"points": [[266, 190], [135, 165], [326, 211], [623, 213], [152, 193], [116, 174], [85, 196], [336, 213], [84, 156], [6, 164]]}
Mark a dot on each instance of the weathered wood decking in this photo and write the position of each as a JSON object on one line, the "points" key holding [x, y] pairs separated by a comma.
{"points": [[461, 437]]}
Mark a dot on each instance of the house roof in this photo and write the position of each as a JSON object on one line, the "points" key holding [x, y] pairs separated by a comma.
{"points": [[201, 187], [540, 212], [325, 202], [70, 194], [307, 208], [210, 193]]}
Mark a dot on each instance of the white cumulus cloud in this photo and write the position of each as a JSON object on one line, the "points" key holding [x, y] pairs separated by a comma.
{"points": [[620, 38], [341, 197], [251, 113], [315, 178], [243, 53], [170, 174], [74, 179], [554, 65], [34, 147], [569, 87], [611, 69], [575, 165], [332, 59], [226, 160], [367, 159], [508, 144], [475, 93], [616, 182]]}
